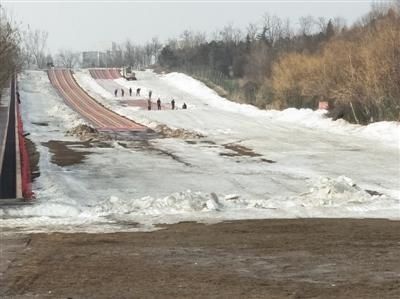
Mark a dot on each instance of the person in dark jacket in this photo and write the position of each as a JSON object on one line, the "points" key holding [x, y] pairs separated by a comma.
{"points": [[116, 92], [138, 92], [173, 104], [159, 104], [122, 92], [184, 106], [130, 91], [148, 104], [150, 93]]}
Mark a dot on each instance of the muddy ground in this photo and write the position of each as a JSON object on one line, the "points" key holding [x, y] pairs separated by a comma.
{"points": [[311, 258]]}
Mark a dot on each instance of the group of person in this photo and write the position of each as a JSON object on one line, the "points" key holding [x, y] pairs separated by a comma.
{"points": [[173, 107], [130, 92]]}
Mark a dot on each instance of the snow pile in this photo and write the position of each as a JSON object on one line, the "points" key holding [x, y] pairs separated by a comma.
{"points": [[180, 202], [335, 192], [325, 192]]}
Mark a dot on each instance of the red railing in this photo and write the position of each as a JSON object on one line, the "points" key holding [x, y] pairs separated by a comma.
{"points": [[26, 183]]}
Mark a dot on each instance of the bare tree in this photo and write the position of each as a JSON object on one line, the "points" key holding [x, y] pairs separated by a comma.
{"points": [[148, 52], [35, 45], [306, 25], [10, 58], [186, 39], [156, 47], [338, 24], [129, 54], [321, 24], [199, 38], [272, 29], [252, 30], [67, 58], [173, 43], [230, 34]]}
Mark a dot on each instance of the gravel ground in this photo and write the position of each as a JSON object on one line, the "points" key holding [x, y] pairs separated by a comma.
{"points": [[301, 258]]}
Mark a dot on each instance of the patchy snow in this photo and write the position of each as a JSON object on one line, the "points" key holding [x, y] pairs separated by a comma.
{"points": [[322, 168]]}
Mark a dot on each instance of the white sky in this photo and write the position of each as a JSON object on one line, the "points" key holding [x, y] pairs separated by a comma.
{"points": [[92, 25]]}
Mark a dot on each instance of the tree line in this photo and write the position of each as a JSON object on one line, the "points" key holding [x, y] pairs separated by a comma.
{"points": [[275, 65]]}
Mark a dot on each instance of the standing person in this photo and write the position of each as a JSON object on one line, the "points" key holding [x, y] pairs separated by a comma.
{"points": [[130, 91], [122, 91], [159, 104], [184, 106], [148, 104], [138, 92], [150, 93], [116, 92], [173, 104]]}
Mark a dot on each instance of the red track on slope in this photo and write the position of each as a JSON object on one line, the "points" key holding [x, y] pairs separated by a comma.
{"points": [[101, 117], [111, 73]]}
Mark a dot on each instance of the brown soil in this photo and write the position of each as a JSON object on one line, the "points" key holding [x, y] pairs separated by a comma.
{"points": [[64, 155], [314, 258]]}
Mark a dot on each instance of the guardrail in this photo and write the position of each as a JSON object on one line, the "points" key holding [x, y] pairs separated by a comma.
{"points": [[26, 182], [15, 180], [8, 173]]}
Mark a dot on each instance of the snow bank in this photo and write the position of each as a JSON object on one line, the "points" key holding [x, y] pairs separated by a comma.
{"points": [[388, 132], [37, 85]]}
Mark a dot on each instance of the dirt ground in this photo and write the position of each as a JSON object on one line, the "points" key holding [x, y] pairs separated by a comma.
{"points": [[314, 258]]}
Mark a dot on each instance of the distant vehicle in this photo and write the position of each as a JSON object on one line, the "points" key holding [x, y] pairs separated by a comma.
{"points": [[128, 74]]}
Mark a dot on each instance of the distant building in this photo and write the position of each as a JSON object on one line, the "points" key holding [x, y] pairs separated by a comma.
{"points": [[91, 59], [110, 58]]}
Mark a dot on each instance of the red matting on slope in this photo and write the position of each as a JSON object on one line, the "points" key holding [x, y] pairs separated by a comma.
{"points": [[99, 116]]}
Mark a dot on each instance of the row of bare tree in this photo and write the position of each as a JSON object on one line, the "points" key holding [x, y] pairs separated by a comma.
{"points": [[9, 48], [137, 56]]}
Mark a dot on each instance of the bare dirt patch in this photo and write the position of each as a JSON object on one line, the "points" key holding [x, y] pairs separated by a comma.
{"points": [[176, 133], [85, 132], [42, 124], [267, 160], [299, 258], [64, 155], [238, 150]]}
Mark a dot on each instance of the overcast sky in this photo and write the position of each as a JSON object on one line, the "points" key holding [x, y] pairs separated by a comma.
{"points": [[92, 25]]}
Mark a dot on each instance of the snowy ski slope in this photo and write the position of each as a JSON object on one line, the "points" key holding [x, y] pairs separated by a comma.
{"points": [[322, 168]]}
